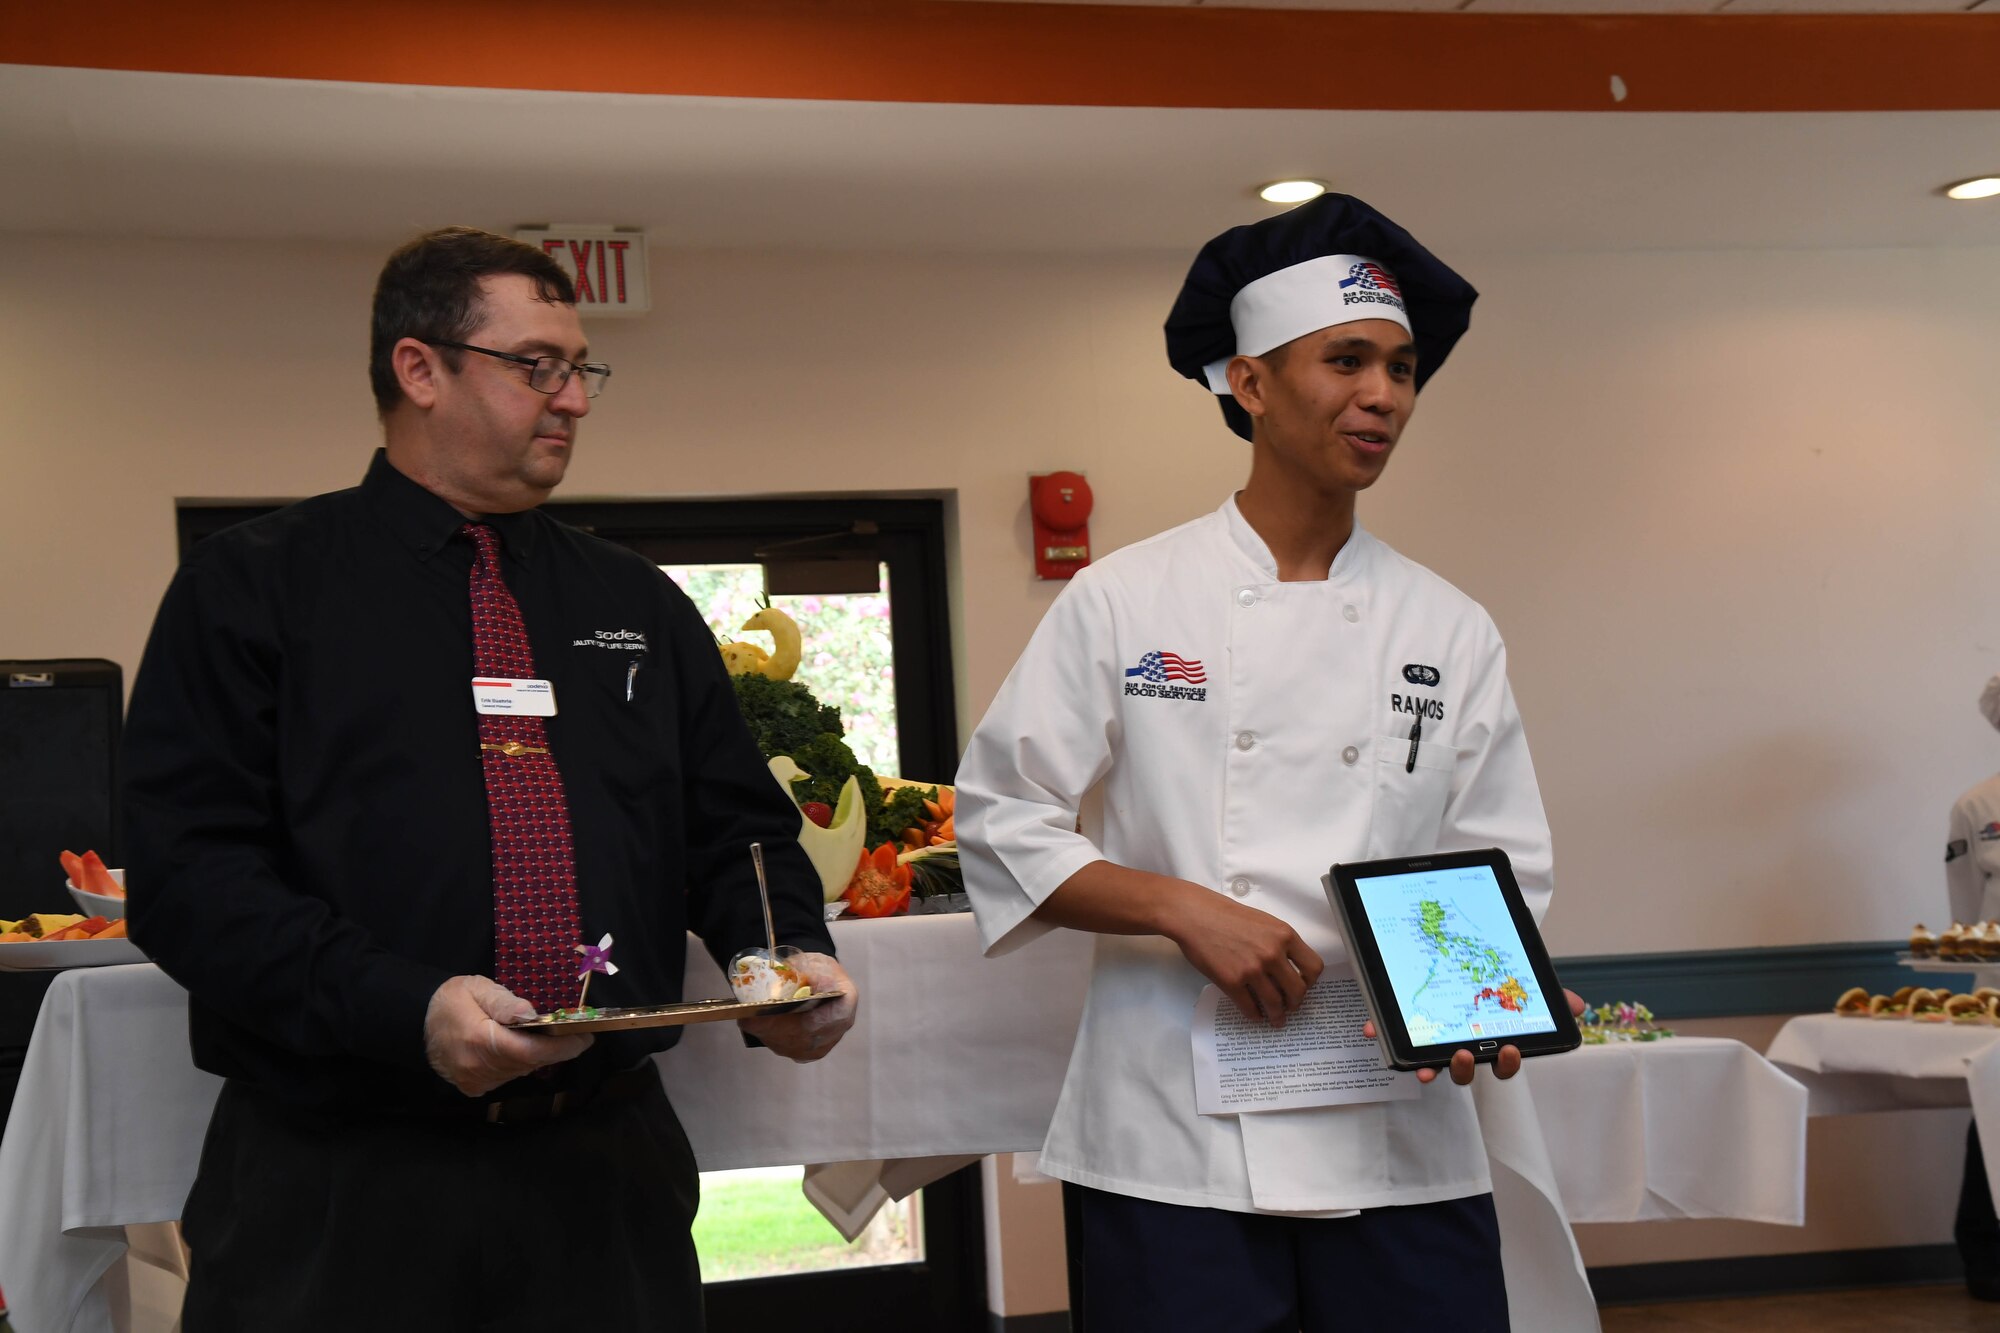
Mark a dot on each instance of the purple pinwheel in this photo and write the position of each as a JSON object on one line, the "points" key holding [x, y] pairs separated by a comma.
{"points": [[596, 958]]}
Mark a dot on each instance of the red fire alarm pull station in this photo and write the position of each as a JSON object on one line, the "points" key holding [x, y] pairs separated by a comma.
{"points": [[1059, 506]]}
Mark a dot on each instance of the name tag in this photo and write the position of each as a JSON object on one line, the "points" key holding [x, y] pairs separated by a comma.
{"points": [[523, 698]]}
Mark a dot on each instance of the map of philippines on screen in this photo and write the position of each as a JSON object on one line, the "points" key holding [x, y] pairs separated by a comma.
{"points": [[1455, 962]]}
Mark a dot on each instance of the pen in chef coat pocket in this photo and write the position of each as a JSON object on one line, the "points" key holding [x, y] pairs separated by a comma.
{"points": [[631, 675], [1416, 734]]}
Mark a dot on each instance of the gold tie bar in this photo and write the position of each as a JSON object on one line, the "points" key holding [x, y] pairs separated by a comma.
{"points": [[513, 749]]}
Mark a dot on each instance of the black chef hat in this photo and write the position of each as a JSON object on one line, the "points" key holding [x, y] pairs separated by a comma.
{"points": [[1332, 261]]}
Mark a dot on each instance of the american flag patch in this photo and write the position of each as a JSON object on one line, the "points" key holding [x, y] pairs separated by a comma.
{"points": [[1159, 668], [1372, 277]]}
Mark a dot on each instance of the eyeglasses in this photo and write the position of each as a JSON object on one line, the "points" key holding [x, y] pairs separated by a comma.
{"points": [[546, 374]]}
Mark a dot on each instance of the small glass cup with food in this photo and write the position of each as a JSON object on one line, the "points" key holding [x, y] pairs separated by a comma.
{"points": [[760, 975]]}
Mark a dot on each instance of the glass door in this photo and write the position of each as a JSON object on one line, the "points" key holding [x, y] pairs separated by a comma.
{"points": [[847, 654], [876, 648]]}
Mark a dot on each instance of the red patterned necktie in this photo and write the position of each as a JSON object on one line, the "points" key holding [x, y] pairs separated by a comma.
{"points": [[535, 917]]}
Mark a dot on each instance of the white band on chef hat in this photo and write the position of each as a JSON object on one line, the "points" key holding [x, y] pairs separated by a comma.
{"points": [[1989, 701], [1302, 299]]}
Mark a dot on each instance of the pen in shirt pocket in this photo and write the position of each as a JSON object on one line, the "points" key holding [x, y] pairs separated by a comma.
{"points": [[1416, 734], [631, 677]]}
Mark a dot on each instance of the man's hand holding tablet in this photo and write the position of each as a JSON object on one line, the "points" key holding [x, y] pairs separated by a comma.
{"points": [[1451, 964], [1463, 1066]]}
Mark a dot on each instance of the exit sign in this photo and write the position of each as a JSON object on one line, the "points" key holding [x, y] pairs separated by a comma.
{"points": [[607, 264]]}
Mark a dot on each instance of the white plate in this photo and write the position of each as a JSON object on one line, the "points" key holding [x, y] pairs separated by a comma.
{"points": [[47, 956]]}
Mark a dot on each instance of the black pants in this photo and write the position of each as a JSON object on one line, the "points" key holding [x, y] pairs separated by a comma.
{"points": [[1976, 1229], [305, 1223], [1166, 1268]]}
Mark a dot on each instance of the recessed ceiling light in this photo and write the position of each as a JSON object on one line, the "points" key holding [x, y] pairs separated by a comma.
{"points": [[1291, 192], [1980, 187]]}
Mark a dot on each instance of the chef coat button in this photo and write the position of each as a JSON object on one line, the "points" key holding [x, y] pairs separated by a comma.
{"points": [[1350, 612], [1246, 740], [1350, 754], [1240, 887], [1246, 597]]}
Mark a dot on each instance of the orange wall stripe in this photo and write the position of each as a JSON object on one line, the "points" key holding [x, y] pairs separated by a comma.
{"points": [[1089, 55]]}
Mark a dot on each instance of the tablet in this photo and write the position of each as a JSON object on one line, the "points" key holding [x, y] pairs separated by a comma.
{"points": [[1449, 958]]}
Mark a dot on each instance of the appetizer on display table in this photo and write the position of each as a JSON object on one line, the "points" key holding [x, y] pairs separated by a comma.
{"points": [[1619, 1021], [1976, 945], [92, 937], [882, 846], [89, 875], [54, 927], [1918, 1004]]}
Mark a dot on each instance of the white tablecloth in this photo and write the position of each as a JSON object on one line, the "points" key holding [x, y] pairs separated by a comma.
{"points": [[953, 1057], [1686, 1127], [1850, 1065], [104, 1131]]}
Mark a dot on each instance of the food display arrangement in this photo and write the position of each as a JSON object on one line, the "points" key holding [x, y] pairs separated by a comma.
{"points": [[1976, 945], [45, 941], [1622, 1020], [1919, 1004], [55, 927], [765, 981], [882, 846]]}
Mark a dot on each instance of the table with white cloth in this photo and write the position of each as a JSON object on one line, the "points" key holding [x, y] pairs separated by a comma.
{"points": [[1854, 1065], [953, 1057], [1678, 1128]]}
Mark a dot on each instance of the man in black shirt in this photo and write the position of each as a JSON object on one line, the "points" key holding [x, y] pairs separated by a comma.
{"points": [[335, 851]]}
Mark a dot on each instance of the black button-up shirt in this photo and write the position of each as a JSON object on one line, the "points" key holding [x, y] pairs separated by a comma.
{"points": [[308, 843]]}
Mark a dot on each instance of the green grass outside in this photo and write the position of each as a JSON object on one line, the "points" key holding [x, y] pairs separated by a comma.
{"points": [[756, 1227]]}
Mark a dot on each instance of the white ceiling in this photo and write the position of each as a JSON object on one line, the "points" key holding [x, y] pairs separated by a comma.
{"points": [[106, 153]]}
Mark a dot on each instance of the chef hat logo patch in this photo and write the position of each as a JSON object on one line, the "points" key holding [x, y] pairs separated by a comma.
{"points": [[1372, 278], [1418, 674]]}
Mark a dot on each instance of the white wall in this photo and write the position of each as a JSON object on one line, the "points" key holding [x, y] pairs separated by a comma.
{"points": [[1734, 512], [1737, 516]]}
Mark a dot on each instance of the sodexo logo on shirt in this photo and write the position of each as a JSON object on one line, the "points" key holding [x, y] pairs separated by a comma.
{"points": [[629, 639], [1157, 671]]}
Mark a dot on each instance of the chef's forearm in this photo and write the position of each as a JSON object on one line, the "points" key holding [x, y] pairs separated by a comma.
{"points": [[1117, 900]]}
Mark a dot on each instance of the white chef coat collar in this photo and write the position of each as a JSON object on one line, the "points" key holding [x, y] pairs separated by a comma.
{"points": [[1246, 540]]}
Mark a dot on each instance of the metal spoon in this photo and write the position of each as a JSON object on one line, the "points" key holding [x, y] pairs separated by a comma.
{"points": [[764, 893]]}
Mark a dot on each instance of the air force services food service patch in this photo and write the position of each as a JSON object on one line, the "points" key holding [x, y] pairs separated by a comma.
{"points": [[1163, 675], [1368, 283]]}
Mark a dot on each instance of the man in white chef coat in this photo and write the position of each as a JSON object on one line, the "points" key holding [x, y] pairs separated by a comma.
{"points": [[1260, 693], [1972, 882], [1972, 848]]}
